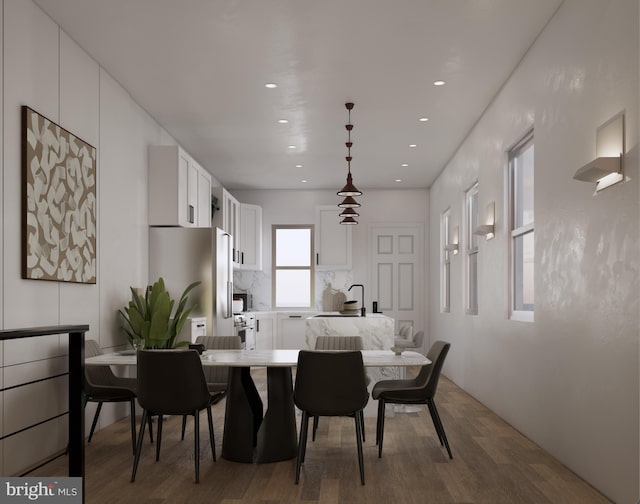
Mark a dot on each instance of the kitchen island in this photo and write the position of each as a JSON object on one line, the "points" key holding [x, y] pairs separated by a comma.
{"points": [[376, 329]]}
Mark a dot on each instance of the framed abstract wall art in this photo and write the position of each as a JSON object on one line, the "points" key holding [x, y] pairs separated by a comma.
{"points": [[58, 202]]}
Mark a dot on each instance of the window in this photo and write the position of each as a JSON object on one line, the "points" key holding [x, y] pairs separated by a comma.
{"points": [[471, 250], [293, 267], [521, 167], [445, 291]]}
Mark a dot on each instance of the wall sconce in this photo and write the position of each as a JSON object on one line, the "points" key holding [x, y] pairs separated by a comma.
{"points": [[606, 169], [455, 240], [488, 228]]}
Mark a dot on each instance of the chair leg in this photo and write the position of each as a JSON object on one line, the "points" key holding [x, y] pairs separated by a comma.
{"points": [[196, 443], [95, 421], [315, 428], [133, 424], [136, 458], [302, 444], [212, 436], [364, 440], [359, 421], [150, 429], [444, 436], [184, 426], [159, 437], [381, 411], [435, 422]]}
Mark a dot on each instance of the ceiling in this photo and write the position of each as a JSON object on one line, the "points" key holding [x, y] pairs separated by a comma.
{"points": [[199, 67]]}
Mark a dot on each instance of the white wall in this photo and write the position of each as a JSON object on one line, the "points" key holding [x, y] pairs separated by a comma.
{"points": [[299, 207], [569, 380], [44, 69]]}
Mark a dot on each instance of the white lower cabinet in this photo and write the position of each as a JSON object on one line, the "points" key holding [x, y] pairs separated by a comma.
{"points": [[265, 331], [291, 330]]}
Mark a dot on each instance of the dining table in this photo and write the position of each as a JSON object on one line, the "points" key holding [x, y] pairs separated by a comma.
{"points": [[252, 435]]}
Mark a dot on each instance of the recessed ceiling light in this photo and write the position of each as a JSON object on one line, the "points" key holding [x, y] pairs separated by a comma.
{"points": [[412, 146], [404, 165], [291, 146], [423, 119], [270, 85], [283, 121], [439, 83], [398, 180], [298, 166], [303, 181]]}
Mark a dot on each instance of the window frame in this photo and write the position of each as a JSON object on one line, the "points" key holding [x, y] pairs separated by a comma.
{"points": [[524, 315], [445, 262], [471, 248], [310, 268]]}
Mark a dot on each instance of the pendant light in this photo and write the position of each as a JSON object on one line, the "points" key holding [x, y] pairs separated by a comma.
{"points": [[349, 190]]}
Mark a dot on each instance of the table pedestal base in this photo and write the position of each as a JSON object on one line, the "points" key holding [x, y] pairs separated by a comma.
{"points": [[248, 437]]}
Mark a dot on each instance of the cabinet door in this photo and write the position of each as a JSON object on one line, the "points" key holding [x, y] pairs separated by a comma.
{"points": [[292, 328], [332, 241], [204, 198], [250, 237], [192, 194], [264, 332]]}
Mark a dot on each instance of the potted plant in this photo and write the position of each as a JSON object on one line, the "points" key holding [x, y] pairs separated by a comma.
{"points": [[148, 318]]}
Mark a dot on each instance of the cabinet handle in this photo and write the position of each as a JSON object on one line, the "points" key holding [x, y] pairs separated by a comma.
{"points": [[317, 258], [199, 325], [295, 316], [191, 217], [242, 258], [257, 325]]}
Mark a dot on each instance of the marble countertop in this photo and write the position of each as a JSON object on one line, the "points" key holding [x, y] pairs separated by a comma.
{"points": [[268, 358], [340, 315]]}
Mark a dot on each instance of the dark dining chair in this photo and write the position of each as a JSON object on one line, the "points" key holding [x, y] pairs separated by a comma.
{"points": [[102, 386], [217, 376], [172, 382], [330, 384], [353, 343], [420, 390]]}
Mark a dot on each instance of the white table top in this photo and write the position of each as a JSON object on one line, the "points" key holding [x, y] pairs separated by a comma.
{"points": [[269, 358]]}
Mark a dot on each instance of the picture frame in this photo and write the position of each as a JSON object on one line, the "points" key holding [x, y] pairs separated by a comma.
{"points": [[59, 202]]}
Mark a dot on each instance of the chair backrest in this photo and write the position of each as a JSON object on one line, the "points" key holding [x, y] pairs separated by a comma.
{"points": [[405, 332], [171, 382], [96, 376], [219, 374], [418, 339], [339, 343], [430, 374], [330, 383]]}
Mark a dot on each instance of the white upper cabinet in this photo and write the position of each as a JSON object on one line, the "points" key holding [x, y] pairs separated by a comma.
{"points": [[332, 240], [250, 237], [228, 219], [204, 198], [179, 189]]}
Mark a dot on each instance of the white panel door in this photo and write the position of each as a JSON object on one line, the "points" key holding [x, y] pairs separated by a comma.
{"points": [[396, 272]]}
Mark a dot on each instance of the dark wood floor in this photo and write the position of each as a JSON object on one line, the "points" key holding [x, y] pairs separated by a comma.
{"points": [[492, 463]]}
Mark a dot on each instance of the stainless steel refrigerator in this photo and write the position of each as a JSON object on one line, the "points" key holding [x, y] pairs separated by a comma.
{"points": [[185, 255]]}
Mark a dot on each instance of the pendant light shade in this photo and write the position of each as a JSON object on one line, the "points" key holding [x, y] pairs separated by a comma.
{"points": [[349, 212], [349, 221], [349, 202], [349, 189]]}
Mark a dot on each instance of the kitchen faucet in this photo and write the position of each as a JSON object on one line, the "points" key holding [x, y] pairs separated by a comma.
{"points": [[363, 310]]}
